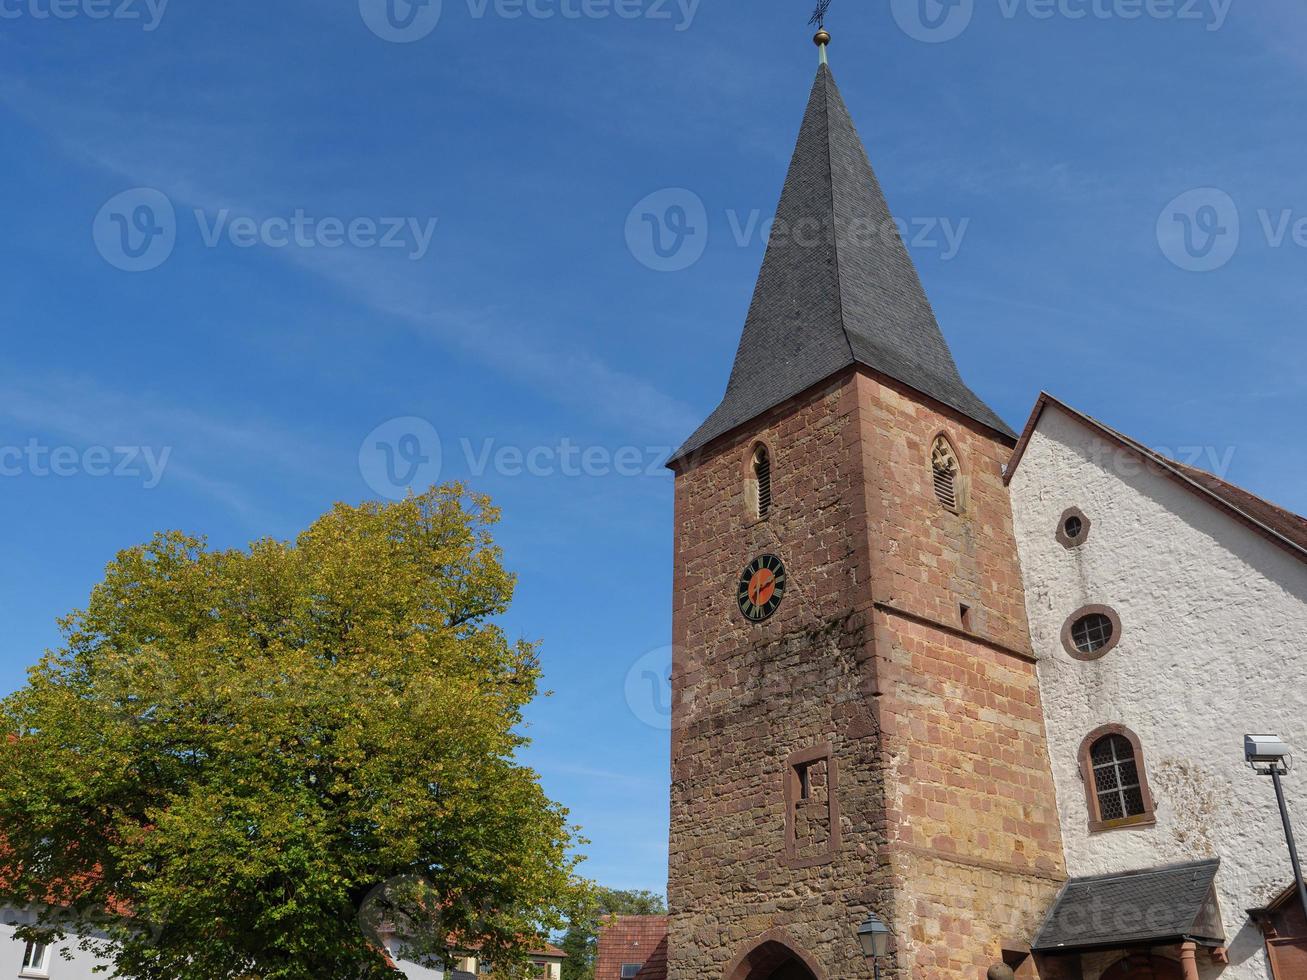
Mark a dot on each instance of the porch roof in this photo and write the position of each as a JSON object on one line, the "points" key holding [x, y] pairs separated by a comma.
{"points": [[1155, 906]]}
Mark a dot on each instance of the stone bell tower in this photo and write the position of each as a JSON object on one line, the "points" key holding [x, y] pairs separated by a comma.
{"points": [[856, 718]]}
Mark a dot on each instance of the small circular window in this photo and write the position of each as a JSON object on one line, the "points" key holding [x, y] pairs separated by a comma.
{"points": [[1091, 633], [1072, 528]]}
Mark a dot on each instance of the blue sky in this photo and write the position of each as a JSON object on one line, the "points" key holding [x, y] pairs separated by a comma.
{"points": [[1039, 156]]}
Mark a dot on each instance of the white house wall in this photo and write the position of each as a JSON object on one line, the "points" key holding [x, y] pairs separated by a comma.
{"points": [[80, 966], [1213, 646]]}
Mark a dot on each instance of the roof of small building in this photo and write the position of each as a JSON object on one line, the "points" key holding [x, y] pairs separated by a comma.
{"points": [[837, 288], [655, 967], [630, 939], [1282, 526], [1154, 906]]}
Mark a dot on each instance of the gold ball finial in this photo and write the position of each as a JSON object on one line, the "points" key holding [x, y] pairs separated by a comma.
{"points": [[821, 38]]}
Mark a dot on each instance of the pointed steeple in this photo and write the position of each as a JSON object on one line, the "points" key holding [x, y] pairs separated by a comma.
{"points": [[837, 287]]}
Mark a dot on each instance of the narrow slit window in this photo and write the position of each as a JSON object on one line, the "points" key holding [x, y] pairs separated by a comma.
{"points": [[945, 473], [762, 480]]}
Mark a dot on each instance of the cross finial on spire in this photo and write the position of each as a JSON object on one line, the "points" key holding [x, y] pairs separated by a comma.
{"points": [[822, 38]]}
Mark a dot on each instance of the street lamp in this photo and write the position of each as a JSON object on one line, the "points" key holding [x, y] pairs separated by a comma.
{"points": [[1269, 756], [874, 937]]}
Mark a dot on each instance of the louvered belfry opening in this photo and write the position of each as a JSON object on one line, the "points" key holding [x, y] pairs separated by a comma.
{"points": [[945, 470], [762, 479]]}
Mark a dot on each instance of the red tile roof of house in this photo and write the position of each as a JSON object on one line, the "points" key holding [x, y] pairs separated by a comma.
{"points": [[626, 939]]}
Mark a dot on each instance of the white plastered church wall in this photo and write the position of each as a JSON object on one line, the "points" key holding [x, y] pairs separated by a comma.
{"points": [[1213, 645]]}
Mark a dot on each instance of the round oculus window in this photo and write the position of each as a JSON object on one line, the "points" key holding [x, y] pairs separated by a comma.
{"points": [[1092, 633]]}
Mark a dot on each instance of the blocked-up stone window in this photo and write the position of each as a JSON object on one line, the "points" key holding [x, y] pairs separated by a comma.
{"points": [[812, 807]]}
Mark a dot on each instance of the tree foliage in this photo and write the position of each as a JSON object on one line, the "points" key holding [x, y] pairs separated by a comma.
{"points": [[235, 751], [581, 940]]}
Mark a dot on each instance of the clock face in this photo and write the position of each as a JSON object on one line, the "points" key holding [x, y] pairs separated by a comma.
{"points": [[762, 586]]}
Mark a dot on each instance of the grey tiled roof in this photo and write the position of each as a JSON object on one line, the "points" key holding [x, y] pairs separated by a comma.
{"points": [[1156, 906], [837, 287]]}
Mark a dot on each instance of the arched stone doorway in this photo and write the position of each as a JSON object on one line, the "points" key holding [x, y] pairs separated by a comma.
{"points": [[774, 957], [1145, 968]]}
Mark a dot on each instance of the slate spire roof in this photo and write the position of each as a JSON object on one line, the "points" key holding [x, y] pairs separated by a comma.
{"points": [[837, 287]]}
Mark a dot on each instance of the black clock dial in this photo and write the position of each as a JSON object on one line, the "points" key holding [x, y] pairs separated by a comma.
{"points": [[762, 587]]}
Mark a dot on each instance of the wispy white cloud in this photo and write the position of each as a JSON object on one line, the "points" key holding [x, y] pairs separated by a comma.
{"points": [[197, 445], [213, 166]]}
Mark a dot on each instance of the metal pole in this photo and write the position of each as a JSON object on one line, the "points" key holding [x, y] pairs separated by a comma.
{"points": [[1288, 834], [875, 961]]}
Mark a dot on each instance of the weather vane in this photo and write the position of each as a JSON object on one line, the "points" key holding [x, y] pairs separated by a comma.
{"points": [[819, 15], [822, 38]]}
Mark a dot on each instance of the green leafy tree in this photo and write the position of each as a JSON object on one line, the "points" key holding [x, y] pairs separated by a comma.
{"points": [[235, 752], [581, 940]]}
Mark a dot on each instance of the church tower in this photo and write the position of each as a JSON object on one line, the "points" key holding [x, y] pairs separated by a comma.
{"points": [[856, 720]]}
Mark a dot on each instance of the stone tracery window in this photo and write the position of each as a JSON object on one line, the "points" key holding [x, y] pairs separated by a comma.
{"points": [[946, 474]]}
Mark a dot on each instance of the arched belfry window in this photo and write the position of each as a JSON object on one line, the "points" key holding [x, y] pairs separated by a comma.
{"points": [[946, 473], [762, 480]]}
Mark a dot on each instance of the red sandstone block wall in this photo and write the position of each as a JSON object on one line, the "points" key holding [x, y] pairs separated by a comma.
{"points": [[747, 697], [972, 822], [947, 820], [927, 560]]}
